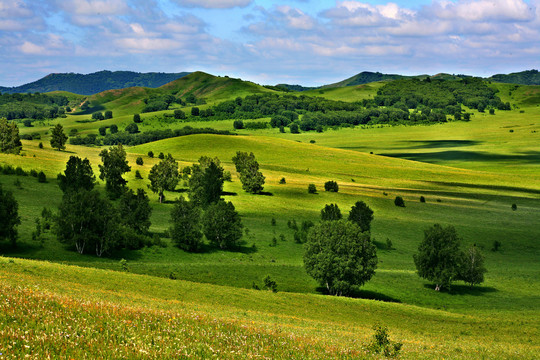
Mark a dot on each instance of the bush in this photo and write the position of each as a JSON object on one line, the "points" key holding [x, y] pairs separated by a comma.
{"points": [[282, 181], [179, 114], [238, 124], [102, 130], [422, 199], [41, 177], [132, 128], [40, 145], [514, 207], [312, 189], [331, 186], [108, 114], [362, 215], [294, 128], [137, 118], [113, 128], [139, 161], [269, 284], [382, 344], [161, 156], [496, 245], [150, 154], [398, 201]]}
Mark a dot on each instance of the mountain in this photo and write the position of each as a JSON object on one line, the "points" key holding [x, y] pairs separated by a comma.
{"points": [[94, 83], [364, 77], [528, 77]]}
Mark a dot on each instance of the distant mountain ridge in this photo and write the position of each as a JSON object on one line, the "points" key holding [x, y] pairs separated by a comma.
{"points": [[89, 84], [528, 77]]}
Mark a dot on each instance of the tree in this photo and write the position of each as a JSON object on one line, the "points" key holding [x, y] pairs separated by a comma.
{"points": [[248, 172], [132, 128], [10, 141], [102, 130], [222, 225], [98, 116], [439, 258], [195, 111], [139, 160], [164, 176], [294, 128], [312, 189], [135, 210], [362, 215], [137, 118], [114, 165], [330, 212], [186, 225], [331, 186], [179, 114], [9, 216], [86, 220], [472, 267], [78, 175], [339, 256], [113, 129], [398, 201], [206, 181], [108, 114], [238, 124], [58, 138]]}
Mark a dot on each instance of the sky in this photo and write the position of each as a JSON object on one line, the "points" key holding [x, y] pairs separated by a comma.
{"points": [[303, 42]]}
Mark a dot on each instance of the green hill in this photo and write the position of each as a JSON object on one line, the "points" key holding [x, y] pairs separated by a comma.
{"points": [[364, 77], [88, 84], [528, 77]]}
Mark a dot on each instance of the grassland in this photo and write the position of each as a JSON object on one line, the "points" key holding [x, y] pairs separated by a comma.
{"points": [[469, 172]]}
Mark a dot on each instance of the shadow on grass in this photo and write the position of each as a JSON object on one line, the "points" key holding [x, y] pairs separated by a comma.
{"points": [[90, 110], [242, 248], [530, 157], [433, 144], [363, 294], [462, 289], [228, 193], [265, 193]]}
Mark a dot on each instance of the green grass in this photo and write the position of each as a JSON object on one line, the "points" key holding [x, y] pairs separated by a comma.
{"points": [[469, 172]]}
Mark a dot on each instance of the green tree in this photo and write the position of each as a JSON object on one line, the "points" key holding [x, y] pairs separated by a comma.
{"points": [[58, 138], [164, 176], [78, 175], [339, 256], [87, 221], [330, 212], [186, 225], [10, 142], [472, 267], [108, 114], [362, 215], [113, 129], [102, 130], [312, 189], [135, 210], [331, 186], [179, 114], [98, 116], [248, 172], [195, 111], [222, 225], [206, 181], [132, 128], [113, 167], [439, 258], [9, 216], [137, 118]]}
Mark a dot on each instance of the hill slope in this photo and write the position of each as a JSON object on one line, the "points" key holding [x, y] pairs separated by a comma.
{"points": [[95, 82], [528, 77]]}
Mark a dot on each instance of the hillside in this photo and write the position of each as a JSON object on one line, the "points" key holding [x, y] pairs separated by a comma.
{"points": [[364, 77], [528, 77], [88, 84]]}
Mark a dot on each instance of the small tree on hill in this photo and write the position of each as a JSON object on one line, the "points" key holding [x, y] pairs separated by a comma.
{"points": [[137, 118], [222, 225], [135, 210], [58, 138], [398, 201], [472, 267], [9, 216], [186, 225], [164, 176], [362, 215], [206, 181], [132, 128], [108, 114], [330, 212], [331, 186], [340, 256], [439, 258], [113, 167], [179, 114], [248, 171], [10, 141], [78, 175]]}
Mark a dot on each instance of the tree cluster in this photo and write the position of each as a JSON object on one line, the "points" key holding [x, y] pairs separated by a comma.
{"points": [[32, 106]]}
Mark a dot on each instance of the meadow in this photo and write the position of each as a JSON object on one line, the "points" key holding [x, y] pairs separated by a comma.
{"points": [[469, 172]]}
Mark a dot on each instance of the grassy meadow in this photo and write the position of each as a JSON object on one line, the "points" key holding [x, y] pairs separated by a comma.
{"points": [[469, 172]]}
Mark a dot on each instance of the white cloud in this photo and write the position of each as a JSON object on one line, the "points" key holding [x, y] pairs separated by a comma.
{"points": [[93, 7], [214, 4], [482, 10]]}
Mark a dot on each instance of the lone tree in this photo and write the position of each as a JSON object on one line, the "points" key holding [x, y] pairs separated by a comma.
{"points": [[58, 138], [340, 256], [331, 212], [439, 258], [164, 176], [222, 225], [78, 175], [362, 215], [9, 216], [248, 172], [331, 186], [206, 181], [114, 165], [472, 267], [186, 225], [10, 142]]}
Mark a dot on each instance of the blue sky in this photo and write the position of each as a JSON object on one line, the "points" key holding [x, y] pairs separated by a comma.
{"points": [[300, 42]]}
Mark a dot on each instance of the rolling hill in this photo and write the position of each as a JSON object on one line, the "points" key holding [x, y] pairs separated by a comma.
{"points": [[88, 84]]}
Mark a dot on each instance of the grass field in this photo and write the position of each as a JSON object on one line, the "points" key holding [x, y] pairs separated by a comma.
{"points": [[469, 172]]}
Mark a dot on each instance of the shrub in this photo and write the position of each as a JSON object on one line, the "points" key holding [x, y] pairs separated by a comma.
{"points": [[41, 177], [139, 161], [382, 344], [294, 128], [282, 181], [161, 156], [422, 199], [151, 154], [269, 284], [514, 207], [312, 189], [179, 114], [238, 124], [137, 118], [40, 145], [108, 114], [331, 186], [496, 245], [132, 128], [398, 201], [113, 128], [389, 244], [273, 221], [330, 212], [362, 215], [102, 130]]}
